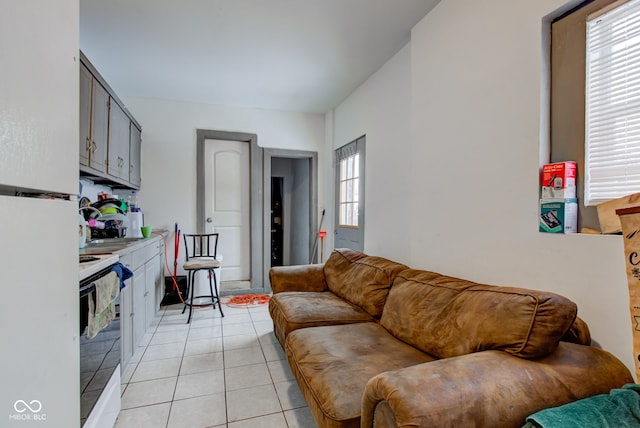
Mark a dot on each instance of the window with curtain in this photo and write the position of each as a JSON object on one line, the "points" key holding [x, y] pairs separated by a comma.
{"points": [[349, 190], [612, 102]]}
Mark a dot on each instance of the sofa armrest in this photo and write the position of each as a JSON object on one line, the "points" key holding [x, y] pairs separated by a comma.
{"points": [[297, 278], [489, 388]]}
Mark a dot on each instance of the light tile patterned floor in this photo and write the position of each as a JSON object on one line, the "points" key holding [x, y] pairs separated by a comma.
{"points": [[215, 372]]}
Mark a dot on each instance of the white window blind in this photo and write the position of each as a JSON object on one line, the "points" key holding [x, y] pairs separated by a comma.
{"points": [[612, 152]]}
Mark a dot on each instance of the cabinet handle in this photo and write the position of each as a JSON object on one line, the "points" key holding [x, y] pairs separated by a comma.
{"points": [[88, 144], [94, 147]]}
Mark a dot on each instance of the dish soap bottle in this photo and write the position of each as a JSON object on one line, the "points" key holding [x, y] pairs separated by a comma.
{"points": [[133, 202]]}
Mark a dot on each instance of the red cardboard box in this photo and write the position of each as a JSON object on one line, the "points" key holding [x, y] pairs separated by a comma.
{"points": [[559, 180]]}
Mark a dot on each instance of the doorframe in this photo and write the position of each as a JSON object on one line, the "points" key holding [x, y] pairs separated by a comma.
{"points": [[256, 201], [313, 199]]}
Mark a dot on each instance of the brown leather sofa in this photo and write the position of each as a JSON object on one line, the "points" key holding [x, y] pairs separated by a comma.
{"points": [[373, 343]]}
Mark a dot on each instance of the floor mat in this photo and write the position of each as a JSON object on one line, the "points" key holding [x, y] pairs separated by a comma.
{"points": [[248, 300]]}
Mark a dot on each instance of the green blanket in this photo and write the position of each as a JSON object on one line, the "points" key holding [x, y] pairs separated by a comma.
{"points": [[618, 409]]}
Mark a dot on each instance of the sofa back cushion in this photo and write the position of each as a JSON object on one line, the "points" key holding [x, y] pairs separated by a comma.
{"points": [[360, 279], [447, 317]]}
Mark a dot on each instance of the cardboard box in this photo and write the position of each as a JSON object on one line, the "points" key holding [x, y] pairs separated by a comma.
{"points": [[609, 221], [558, 215], [559, 180]]}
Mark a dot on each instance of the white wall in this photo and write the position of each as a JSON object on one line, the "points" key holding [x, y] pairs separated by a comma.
{"points": [[168, 191], [456, 131], [380, 108], [476, 114]]}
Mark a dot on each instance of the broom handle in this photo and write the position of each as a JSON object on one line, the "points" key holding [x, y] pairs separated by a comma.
{"points": [[314, 252]]}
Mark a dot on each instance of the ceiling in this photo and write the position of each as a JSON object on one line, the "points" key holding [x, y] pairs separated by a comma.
{"points": [[292, 55]]}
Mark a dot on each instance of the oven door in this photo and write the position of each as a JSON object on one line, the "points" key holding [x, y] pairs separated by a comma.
{"points": [[100, 355]]}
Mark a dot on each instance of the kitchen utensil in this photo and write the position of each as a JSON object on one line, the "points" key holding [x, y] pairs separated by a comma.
{"points": [[109, 232], [110, 210], [82, 230], [146, 231], [110, 203]]}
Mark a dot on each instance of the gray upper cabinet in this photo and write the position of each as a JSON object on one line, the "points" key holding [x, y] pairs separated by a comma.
{"points": [[110, 138], [85, 114], [135, 143], [94, 121], [99, 127], [119, 124]]}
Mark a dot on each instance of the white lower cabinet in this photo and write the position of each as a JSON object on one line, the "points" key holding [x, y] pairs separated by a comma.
{"points": [[139, 305], [151, 272], [139, 302], [126, 321]]}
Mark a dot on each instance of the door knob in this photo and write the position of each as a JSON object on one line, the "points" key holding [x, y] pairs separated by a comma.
{"points": [[209, 220]]}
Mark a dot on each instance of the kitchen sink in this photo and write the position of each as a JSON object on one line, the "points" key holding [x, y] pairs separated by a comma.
{"points": [[108, 245], [111, 241]]}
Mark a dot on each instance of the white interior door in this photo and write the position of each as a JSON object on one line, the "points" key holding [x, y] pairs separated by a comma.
{"points": [[227, 205]]}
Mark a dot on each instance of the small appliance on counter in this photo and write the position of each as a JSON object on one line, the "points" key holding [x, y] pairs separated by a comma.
{"points": [[136, 221]]}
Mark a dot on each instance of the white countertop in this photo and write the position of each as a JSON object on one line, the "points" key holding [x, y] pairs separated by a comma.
{"points": [[109, 251], [89, 268]]}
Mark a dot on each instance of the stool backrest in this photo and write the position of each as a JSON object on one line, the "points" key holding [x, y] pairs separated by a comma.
{"points": [[200, 245]]}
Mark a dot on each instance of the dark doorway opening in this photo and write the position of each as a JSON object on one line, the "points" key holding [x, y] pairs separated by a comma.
{"points": [[277, 231], [291, 207]]}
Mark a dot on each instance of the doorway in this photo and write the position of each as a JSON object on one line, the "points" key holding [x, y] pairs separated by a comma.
{"points": [[227, 207], [237, 213], [290, 187]]}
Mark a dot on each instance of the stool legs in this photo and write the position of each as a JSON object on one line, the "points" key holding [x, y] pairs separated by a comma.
{"points": [[214, 291], [215, 298]]}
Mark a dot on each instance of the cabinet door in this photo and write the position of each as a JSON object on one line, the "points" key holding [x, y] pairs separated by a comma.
{"points": [[126, 324], [139, 305], [85, 114], [160, 279], [135, 145], [99, 127], [152, 269], [118, 165]]}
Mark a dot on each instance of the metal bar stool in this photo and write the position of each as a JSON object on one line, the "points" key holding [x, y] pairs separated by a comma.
{"points": [[200, 254]]}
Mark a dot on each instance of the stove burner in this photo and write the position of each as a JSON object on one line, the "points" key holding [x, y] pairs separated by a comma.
{"points": [[86, 259]]}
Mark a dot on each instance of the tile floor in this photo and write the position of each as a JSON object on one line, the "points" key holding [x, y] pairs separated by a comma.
{"points": [[215, 372]]}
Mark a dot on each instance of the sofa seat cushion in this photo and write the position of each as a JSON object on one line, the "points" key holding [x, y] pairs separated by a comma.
{"points": [[362, 280], [292, 310], [332, 365], [447, 317]]}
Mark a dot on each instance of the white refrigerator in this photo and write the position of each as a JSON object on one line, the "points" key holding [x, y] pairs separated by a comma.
{"points": [[39, 361]]}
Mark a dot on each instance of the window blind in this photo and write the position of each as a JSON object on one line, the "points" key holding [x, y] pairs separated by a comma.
{"points": [[346, 151], [612, 149]]}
